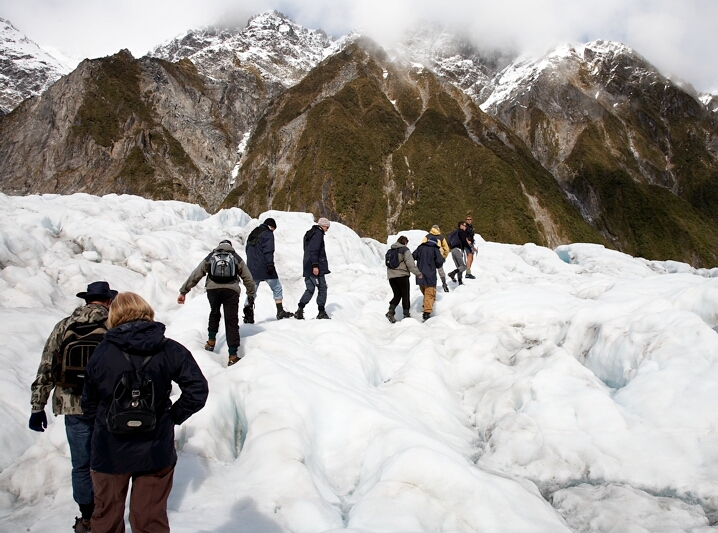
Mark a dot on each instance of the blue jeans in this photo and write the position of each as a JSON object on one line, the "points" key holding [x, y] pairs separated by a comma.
{"points": [[79, 437], [274, 284], [311, 283]]}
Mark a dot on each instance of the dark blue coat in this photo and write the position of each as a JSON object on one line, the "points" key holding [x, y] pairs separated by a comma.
{"points": [[428, 258], [123, 454], [260, 253], [314, 253]]}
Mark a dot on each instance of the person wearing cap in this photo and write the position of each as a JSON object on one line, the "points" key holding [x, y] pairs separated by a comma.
{"points": [[66, 400], [436, 236], [471, 249], [260, 260], [222, 293], [315, 267]]}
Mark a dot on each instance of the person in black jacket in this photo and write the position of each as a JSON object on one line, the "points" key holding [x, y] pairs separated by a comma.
{"points": [[260, 260], [315, 267], [147, 458], [471, 249], [459, 246], [428, 258]]}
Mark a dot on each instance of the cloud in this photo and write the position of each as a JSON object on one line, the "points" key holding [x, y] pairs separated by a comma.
{"points": [[678, 37]]}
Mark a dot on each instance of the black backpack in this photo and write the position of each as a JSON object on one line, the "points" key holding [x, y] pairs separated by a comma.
{"points": [[393, 256], [132, 409], [453, 239], [78, 344], [222, 267]]}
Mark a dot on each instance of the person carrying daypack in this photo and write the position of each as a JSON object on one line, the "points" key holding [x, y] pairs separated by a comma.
{"points": [[136, 359], [436, 236], [62, 372], [428, 259], [223, 268], [314, 268], [471, 249], [260, 260], [398, 275], [460, 244]]}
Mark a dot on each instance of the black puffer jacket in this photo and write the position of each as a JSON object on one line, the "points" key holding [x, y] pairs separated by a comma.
{"points": [[315, 255], [122, 454], [260, 253]]}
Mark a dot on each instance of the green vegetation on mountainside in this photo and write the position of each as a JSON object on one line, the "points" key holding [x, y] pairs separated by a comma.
{"points": [[642, 220]]}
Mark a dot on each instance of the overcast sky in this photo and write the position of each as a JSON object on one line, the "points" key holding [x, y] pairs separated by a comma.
{"points": [[680, 37]]}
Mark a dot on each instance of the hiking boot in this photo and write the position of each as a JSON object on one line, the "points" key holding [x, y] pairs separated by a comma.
{"points": [[248, 315], [452, 275], [446, 287], [470, 276], [425, 316], [323, 314], [391, 317], [407, 315], [299, 315], [81, 525], [232, 360], [284, 314], [210, 344]]}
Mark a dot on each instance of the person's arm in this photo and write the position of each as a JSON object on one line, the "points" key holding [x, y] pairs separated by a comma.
{"points": [[247, 280], [439, 259], [45, 381], [411, 264], [194, 278], [313, 247], [191, 381], [268, 252]]}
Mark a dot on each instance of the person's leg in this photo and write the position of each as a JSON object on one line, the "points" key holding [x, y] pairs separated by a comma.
{"points": [[309, 291], [110, 495], [429, 299], [404, 291], [256, 285], [469, 260], [322, 296], [215, 314], [148, 500], [395, 284], [79, 437], [230, 302], [457, 254]]}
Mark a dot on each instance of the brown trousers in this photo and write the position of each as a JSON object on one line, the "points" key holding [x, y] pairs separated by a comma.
{"points": [[429, 297], [148, 501]]}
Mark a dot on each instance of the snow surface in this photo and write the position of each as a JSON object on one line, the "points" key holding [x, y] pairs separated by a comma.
{"points": [[566, 390]]}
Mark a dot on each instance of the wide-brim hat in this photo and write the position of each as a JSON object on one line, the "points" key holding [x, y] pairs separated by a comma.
{"points": [[99, 290]]}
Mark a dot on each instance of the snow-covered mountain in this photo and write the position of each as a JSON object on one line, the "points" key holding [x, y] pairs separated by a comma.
{"points": [[281, 50], [26, 69]]}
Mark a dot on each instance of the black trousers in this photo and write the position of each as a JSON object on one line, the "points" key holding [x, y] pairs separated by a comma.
{"points": [[400, 286], [229, 299]]}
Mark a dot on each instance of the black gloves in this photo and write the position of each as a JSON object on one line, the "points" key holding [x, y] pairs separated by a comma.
{"points": [[271, 270], [38, 421], [250, 302]]}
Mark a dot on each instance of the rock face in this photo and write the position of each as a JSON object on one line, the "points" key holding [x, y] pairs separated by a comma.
{"points": [[25, 69], [637, 154], [159, 128], [382, 146], [587, 143]]}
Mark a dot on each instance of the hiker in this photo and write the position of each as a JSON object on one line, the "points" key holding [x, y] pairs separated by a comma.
{"points": [[59, 371], [459, 243], [428, 259], [470, 235], [223, 268], [135, 348], [435, 235], [260, 260], [399, 255], [315, 267]]}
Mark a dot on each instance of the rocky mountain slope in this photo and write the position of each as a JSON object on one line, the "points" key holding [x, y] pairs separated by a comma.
{"points": [[25, 68], [636, 152], [152, 126], [587, 143]]}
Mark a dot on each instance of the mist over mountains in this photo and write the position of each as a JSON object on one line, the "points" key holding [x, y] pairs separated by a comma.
{"points": [[588, 142]]}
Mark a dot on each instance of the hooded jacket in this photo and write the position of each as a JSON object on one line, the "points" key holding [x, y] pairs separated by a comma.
{"points": [[406, 266], [64, 401], [428, 259], [170, 361], [436, 236], [260, 253], [315, 255], [203, 269]]}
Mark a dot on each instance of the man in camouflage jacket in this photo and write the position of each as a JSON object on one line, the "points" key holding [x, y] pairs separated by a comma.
{"points": [[66, 401]]}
